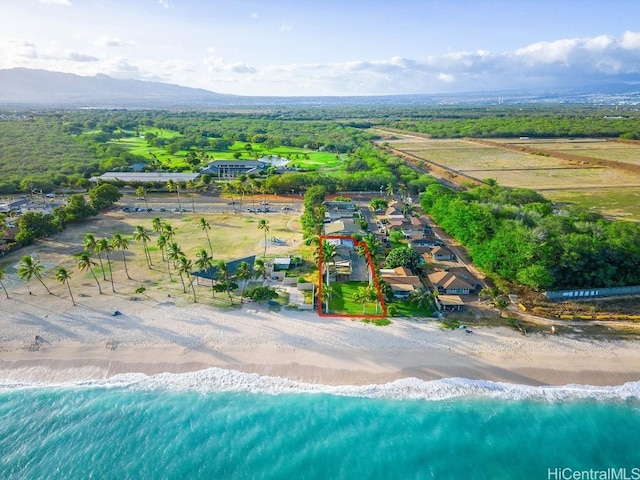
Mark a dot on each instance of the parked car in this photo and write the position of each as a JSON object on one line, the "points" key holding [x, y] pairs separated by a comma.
{"points": [[162, 209], [264, 202]]}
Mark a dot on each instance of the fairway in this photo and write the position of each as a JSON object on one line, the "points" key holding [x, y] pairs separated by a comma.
{"points": [[606, 190], [304, 158]]}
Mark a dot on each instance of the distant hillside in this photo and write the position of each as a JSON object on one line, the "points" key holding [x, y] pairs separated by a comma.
{"points": [[42, 87]]}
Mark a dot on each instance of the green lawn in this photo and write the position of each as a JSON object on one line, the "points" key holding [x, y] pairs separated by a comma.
{"points": [[403, 308], [342, 300], [304, 158]]}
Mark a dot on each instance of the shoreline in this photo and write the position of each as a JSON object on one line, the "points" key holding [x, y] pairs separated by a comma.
{"points": [[153, 337]]}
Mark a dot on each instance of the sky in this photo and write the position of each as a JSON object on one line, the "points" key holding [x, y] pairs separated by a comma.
{"points": [[329, 47]]}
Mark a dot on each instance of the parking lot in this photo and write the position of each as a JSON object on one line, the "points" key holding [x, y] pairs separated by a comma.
{"points": [[198, 203]]}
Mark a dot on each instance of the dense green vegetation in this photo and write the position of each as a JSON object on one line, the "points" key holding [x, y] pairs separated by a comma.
{"points": [[37, 153], [515, 124], [60, 150], [516, 235], [34, 225]]}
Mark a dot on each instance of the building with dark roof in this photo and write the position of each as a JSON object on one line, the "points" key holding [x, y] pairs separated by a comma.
{"points": [[212, 273], [146, 177], [233, 168]]}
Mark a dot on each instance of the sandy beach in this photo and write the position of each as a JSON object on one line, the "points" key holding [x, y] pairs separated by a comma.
{"points": [[156, 335]]}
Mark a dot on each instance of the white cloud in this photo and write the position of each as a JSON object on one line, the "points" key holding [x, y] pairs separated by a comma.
{"points": [[446, 77], [548, 52], [81, 57], [164, 3], [631, 40], [16, 52], [66, 3], [285, 28], [220, 65], [560, 62], [254, 15], [114, 42], [541, 64]]}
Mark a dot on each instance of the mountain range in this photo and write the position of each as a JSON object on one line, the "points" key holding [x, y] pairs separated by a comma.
{"points": [[19, 86], [39, 88]]}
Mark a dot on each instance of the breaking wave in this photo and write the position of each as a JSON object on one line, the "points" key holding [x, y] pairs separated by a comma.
{"points": [[222, 380]]}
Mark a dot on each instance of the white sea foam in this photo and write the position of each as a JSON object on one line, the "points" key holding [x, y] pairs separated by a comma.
{"points": [[222, 380]]}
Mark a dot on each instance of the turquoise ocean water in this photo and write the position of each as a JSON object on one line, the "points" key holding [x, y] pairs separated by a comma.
{"points": [[217, 424]]}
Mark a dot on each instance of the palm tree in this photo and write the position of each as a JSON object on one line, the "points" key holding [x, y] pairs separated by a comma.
{"points": [[260, 269], [327, 293], [390, 190], [229, 286], [63, 276], [86, 263], [156, 225], [168, 231], [263, 224], [29, 268], [184, 267], [243, 274], [91, 246], [3, 272], [373, 296], [173, 254], [361, 295], [407, 210], [204, 262], [103, 245], [140, 234], [119, 242], [171, 186], [329, 252], [162, 243], [421, 297], [205, 227], [142, 193]]}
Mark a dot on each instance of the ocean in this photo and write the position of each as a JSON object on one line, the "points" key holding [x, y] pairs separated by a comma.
{"points": [[219, 424]]}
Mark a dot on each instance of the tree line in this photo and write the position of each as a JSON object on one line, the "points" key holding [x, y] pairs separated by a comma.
{"points": [[516, 235]]}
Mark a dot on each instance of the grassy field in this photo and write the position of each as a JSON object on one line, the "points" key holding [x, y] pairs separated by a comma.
{"points": [[400, 308], [596, 148], [304, 158], [232, 236], [611, 192], [614, 202]]}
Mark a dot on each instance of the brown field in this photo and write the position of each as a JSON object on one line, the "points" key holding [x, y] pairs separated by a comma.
{"points": [[232, 236], [596, 187], [589, 147]]}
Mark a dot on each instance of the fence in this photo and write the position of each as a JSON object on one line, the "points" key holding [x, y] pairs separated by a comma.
{"points": [[580, 294]]}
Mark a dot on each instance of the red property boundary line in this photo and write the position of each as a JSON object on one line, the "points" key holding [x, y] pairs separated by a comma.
{"points": [[373, 275]]}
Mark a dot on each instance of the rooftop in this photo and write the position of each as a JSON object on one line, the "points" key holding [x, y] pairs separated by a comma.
{"points": [[146, 176]]}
